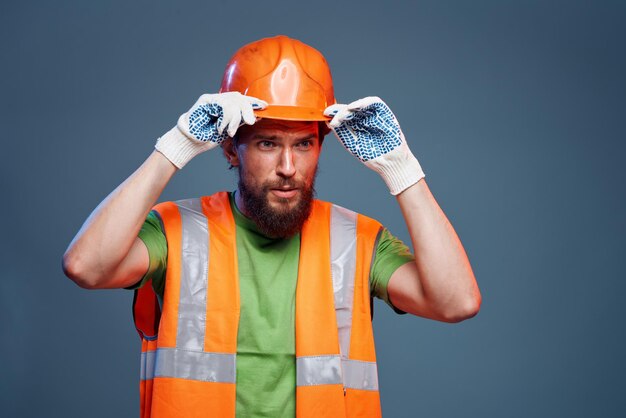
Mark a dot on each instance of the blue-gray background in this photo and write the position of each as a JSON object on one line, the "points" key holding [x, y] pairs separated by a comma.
{"points": [[516, 111]]}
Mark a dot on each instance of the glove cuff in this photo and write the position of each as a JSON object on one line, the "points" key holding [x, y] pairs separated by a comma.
{"points": [[399, 168], [180, 149]]}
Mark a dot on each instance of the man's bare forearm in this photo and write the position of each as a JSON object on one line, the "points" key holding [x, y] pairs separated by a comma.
{"points": [[446, 279], [104, 241]]}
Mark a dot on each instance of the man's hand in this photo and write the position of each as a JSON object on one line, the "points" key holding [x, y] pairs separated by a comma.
{"points": [[212, 119], [369, 130]]}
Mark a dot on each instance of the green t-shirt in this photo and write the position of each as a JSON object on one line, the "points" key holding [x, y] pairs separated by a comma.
{"points": [[268, 268]]}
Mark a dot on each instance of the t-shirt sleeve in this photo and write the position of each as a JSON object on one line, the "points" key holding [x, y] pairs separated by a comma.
{"points": [[151, 233], [391, 253]]}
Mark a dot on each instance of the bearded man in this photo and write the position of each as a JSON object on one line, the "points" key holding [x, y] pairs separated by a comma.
{"points": [[257, 303]]}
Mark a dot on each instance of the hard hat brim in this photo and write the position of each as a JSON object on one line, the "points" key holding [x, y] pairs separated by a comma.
{"points": [[292, 113]]}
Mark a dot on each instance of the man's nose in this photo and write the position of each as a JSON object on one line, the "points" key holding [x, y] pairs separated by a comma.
{"points": [[285, 167]]}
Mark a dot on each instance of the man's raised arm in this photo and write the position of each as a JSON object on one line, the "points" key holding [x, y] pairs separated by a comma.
{"points": [[440, 283], [106, 252]]}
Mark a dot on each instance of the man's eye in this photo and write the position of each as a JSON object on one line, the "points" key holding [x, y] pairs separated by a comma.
{"points": [[266, 144], [305, 144]]}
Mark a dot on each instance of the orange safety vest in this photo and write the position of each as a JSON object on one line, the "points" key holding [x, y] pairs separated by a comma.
{"points": [[189, 350]]}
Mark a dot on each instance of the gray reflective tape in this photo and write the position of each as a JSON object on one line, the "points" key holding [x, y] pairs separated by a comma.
{"points": [[142, 367], [194, 276], [147, 365], [318, 370], [361, 375], [195, 365], [343, 267]]}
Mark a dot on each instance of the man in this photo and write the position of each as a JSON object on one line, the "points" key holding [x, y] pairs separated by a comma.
{"points": [[257, 302]]}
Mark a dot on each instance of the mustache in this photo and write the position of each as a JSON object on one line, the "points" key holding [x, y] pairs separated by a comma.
{"points": [[283, 183]]}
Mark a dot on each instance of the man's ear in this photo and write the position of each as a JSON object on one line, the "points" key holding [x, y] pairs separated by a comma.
{"points": [[230, 152]]}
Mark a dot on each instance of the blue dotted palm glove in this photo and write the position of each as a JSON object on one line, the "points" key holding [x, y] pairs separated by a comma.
{"points": [[368, 129], [212, 119]]}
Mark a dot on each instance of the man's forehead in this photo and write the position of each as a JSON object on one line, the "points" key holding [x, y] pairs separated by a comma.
{"points": [[266, 126]]}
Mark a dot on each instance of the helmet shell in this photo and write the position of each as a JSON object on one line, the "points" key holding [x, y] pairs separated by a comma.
{"points": [[291, 76]]}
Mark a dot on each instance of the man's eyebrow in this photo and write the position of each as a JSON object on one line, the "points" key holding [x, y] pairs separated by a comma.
{"points": [[308, 137]]}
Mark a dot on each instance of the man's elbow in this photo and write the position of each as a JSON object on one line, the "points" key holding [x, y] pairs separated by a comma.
{"points": [[76, 271], [464, 310]]}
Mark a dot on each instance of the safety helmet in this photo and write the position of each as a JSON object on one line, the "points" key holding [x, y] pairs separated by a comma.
{"points": [[291, 76]]}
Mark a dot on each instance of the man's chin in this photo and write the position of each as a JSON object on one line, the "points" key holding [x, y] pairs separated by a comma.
{"points": [[282, 217], [277, 212]]}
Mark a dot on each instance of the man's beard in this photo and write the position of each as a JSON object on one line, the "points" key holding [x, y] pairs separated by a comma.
{"points": [[272, 222]]}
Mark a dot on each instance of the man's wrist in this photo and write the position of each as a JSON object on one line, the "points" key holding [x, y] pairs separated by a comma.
{"points": [[178, 148], [398, 168]]}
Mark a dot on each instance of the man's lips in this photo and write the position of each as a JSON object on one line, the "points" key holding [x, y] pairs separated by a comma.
{"points": [[284, 193]]}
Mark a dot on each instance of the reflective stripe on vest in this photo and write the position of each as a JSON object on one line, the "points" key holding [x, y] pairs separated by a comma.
{"points": [[146, 372], [323, 370], [343, 241], [329, 370], [194, 276], [188, 360], [198, 330]]}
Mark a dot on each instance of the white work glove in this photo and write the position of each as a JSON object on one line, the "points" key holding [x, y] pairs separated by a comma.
{"points": [[212, 119], [369, 130]]}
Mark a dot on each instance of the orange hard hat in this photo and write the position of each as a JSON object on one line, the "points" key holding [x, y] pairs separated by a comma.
{"points": [[291, 76]]}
